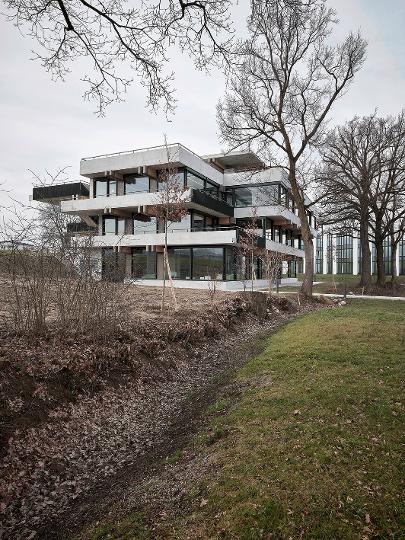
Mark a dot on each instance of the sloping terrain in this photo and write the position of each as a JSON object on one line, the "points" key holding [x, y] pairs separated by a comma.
{"points": [[84, 416], [311, 446]]}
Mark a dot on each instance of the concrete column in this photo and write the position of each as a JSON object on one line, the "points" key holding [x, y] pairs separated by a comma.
{"points": [[91, 190], [355, 256], [314, 244], [325, 253], [334, 260]]}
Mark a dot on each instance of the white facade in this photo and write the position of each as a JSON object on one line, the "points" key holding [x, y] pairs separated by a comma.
{"points": [[221, 192]]}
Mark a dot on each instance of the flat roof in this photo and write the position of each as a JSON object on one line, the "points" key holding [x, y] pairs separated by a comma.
{"points": [[236, 160]]}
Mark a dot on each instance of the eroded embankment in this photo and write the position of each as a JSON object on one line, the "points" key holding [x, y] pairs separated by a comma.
{"points": [[82, 416]]}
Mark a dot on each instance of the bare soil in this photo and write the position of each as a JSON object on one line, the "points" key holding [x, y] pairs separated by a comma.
{"points": [[85, 422]]}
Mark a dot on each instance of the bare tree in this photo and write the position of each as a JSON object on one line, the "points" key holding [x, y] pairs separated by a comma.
{"points": [[363, 183], [112, 34], [387, 199], [248, 247], [351, 162], [284, 87], [170, 208], [272, 262]]}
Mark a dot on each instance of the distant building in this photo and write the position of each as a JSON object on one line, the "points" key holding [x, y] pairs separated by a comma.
{"points": [[341, 254]]}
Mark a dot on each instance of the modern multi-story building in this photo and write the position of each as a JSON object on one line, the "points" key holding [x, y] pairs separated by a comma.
{"points": [[118, 202], [341, 254]]}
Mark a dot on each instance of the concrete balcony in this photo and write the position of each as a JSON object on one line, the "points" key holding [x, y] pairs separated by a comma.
{"points": [[133, 202], [276, 212], [283, 248], [175, 238], [156, 157]]}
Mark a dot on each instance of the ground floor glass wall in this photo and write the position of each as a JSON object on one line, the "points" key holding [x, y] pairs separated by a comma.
{"points": [[144, 264], [212, 263]]}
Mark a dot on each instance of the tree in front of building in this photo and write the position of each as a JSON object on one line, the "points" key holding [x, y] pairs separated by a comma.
{"points": [[169, 209], [285, 82]]}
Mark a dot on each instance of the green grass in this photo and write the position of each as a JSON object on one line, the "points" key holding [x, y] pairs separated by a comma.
{"points": [[312, 448], [132, 526]]}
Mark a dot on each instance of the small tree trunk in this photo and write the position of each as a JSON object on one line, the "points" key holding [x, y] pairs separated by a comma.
{"points": [[162, 307], [169, 274], [394, 249]]}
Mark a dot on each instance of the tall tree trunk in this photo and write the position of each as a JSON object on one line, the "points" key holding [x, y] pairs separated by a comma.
{"points": [[307, 283], [379, 251], [365, 279]]}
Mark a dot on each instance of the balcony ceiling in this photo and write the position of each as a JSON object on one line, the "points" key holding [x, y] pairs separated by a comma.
{"points": [[236, 160]]}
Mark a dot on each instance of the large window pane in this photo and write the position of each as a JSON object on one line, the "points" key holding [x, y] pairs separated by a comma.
{"points": [[136, 184], [344, 254], [112, 188], [100, 187], [109, 225], [183, 225], [208, 263], [142, 227], [120, 226], [143, 264], [198, 222], [180, 263], [231, 260], [243, 197], [176, 178], [266, 195], [194, 181], [212, 189]]}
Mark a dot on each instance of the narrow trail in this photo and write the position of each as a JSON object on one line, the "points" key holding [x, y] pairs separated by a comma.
{"points": [[169, 420]]}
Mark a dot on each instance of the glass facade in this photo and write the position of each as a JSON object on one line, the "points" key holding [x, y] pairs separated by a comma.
{"points": [[258, 195], [208, 263], [183, 225], [319, 254], [386, 256], [105, 187], [113, 225], [344, 254], [401, 252], [143, 264], [180, 263], [194, 181], [136, 184], [144, 226]]}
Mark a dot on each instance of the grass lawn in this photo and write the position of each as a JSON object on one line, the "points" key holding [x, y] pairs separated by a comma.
{"points": [[312, 450], [329, 283]]}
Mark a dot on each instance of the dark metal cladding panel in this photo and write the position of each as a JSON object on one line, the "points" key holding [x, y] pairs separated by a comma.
{"points": [[60, 191], [208, 201]]}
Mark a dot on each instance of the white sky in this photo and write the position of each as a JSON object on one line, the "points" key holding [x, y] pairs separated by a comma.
{"points": [[47, 125]]}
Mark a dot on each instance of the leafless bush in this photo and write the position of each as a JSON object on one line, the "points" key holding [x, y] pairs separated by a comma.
{"points": [[49, 278]]}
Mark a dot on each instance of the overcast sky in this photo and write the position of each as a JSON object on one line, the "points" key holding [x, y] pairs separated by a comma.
{"points": [[47, 125]]}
